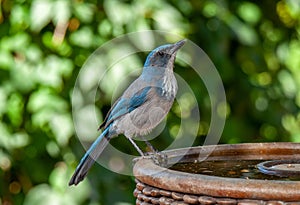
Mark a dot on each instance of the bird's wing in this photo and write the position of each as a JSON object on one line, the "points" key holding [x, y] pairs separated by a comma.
{"points": [[125, 105]]}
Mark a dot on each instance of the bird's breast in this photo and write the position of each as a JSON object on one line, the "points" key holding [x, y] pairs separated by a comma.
{"points": [[169, 86]]}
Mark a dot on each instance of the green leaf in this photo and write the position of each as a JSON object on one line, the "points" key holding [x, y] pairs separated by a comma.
{"points": [[6, 60], [83, 37], [84, 11], [62, 10], [249, 12], [12, 141], [44, 98], [41, 14], [62, 127], [15, 106], [3, 101], [19, 17]]}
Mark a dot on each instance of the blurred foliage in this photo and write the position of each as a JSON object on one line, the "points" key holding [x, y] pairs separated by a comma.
{"points": [[255, 46]]}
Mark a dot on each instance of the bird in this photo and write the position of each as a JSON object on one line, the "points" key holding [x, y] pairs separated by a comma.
{"points": [[142, 106]]}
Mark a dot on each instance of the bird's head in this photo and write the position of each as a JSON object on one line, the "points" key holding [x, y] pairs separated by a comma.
{"points": [[163, 56]]}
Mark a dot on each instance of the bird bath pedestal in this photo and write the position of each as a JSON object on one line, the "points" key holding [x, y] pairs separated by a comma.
{"points": [[253, 173]]}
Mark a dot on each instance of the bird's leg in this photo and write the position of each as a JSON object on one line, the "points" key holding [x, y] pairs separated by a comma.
{"points": [[150, 146], [158, 158], [135, 146]]}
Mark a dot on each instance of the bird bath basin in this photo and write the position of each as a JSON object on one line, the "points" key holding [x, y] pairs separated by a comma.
{"points": [[252, 173]]}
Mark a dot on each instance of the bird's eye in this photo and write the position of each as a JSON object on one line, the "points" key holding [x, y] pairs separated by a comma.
{"points": [[160, 53]]}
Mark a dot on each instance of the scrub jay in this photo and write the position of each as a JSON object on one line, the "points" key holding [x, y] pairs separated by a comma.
{"points": [[142, 106]]}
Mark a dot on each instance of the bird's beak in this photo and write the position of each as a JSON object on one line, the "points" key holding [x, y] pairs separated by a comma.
{"points": [[177, 46]]}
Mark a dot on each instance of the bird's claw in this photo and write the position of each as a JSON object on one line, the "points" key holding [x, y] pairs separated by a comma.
{"points": [[160, 159]]}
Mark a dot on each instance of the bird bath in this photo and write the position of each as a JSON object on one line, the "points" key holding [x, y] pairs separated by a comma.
{"points": [[252, 173]]}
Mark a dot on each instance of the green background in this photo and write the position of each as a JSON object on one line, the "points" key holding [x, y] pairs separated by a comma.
{"points": [[44, 43]]}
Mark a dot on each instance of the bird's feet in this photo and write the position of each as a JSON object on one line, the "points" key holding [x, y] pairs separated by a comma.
{"points": [[159, 159]]}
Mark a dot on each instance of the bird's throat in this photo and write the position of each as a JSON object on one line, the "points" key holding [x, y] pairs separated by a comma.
{"points": [[169, 85]]}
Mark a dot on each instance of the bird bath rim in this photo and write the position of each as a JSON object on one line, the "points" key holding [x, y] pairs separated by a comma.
{"points": [[149, 173]]}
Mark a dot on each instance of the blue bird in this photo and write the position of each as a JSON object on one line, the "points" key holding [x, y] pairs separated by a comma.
{"points": [[142, 106]]}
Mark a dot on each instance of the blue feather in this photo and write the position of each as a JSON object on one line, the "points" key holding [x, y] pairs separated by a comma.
{"points": [[93, 146], [125, 105], [119, 109], [138, 99], [90, 156]]}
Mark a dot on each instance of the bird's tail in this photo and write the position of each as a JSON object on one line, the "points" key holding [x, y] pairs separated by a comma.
{"points": [[90, 157]]}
